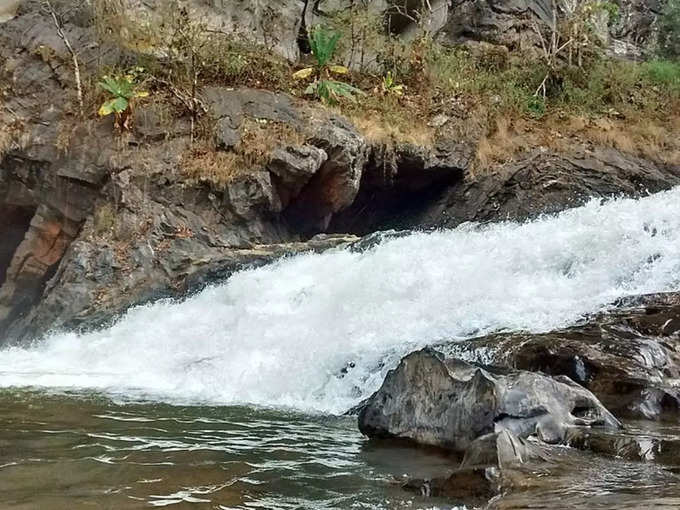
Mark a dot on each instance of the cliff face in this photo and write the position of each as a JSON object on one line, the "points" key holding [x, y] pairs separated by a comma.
{"points": [[93, 221], [277, 24]]}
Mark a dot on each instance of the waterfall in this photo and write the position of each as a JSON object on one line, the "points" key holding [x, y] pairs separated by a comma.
{"points": [[318, 332]]}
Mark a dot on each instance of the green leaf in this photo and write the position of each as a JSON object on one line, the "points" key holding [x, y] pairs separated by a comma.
{"points": [[324, 92], [121, 87], [341, 89], [323, 43], [115, 105], [110, 85], [120, 104], [330, 91]]}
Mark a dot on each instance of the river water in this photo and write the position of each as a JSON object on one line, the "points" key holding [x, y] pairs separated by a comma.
{"points": [[232, 398]]}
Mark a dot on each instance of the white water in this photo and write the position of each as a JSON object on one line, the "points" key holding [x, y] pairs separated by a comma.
{"points": [[280, 335]]}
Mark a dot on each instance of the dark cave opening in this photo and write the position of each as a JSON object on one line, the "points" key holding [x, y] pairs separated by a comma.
{"points": [[392, 209], [14, 223]]}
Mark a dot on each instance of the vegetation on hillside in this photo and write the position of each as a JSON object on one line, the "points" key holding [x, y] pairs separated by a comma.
{"points": [[669, 30], [323, 43], [416, 90]]}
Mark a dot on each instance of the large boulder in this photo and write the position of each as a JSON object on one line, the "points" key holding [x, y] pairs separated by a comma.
{"points": [[629, 358], [451, 403]]}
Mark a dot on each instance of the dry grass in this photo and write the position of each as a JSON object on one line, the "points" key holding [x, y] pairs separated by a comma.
{"points": [[114, 21], [650, 138], [391, 120], [501, 145], [104, 219], [205, 163], [11, 131], [608, 133], [260, 137], [376, 130], [65, 135], [5, 142]]}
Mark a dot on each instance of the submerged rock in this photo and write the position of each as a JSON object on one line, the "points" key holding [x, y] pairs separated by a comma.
{"points": [[451, 403], [630, 444]]}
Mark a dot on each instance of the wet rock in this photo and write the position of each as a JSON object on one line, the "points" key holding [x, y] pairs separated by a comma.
{"points": [[87, 291], [630, 444], [467, 486], [492, 464], [500, 449], [450, 403], [544, 183], [629, 358]]}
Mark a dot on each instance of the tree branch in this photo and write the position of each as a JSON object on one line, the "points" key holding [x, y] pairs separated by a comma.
{"points": [[67, 43]]}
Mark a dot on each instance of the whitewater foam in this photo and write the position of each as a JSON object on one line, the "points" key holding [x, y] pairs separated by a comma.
{"points": [[319, 331]]}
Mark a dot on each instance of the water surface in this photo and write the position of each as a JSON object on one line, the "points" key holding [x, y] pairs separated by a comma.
{"points": [[239, 388]]}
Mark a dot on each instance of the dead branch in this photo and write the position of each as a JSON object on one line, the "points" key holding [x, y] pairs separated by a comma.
{"points": [[67, 43]]}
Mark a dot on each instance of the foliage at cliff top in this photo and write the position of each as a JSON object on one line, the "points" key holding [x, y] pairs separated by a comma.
{"points": [[410, 89], [323, 43], [669, 30]]}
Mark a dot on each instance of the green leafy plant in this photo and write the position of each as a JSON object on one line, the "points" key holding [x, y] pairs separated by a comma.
{"points": [[323, 44], [389, 85], [124, 91], [536, 106]]}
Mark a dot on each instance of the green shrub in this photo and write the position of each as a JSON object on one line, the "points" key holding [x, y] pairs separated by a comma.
{"points": [[536, 106], [663, 73], [123, 91], [669, 30], [323, 43]]}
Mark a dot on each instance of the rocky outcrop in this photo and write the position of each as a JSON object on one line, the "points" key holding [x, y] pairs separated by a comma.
{"points": [[548, 183], [400, 182], [629, 358], [537, 183], [450, 403], [95, 222], [274, 25]]}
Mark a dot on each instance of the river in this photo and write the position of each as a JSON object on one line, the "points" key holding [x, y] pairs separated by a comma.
{"points": [[233, 398]]}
